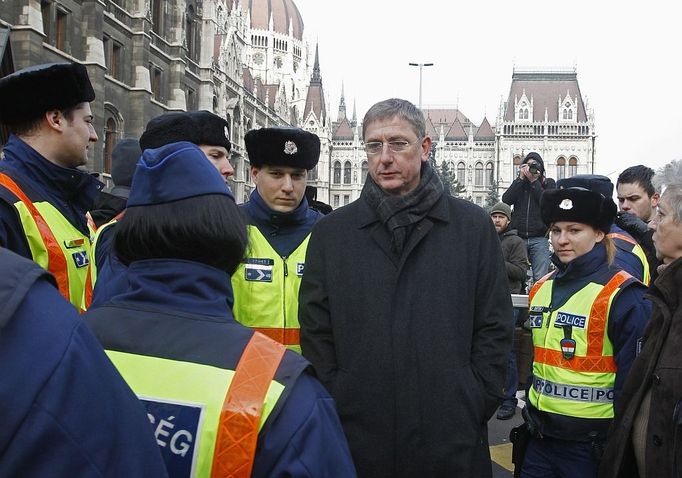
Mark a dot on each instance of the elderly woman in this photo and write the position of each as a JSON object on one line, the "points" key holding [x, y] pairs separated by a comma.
{"points": [[646, 439], [585, 319]]}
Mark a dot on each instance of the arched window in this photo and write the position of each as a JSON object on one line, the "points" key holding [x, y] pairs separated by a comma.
{"points": [[365, 168], [561, 168], [191, 33], [515, 169], [337, 172], [489, 178], [461, 174], [478, 174], [572, 167], [346, 172], [110, 136]]}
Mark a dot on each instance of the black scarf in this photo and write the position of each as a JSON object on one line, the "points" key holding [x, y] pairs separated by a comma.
{"points": [[400, 213]]}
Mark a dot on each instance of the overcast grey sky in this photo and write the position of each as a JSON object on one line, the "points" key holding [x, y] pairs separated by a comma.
{"points": [[628, 60]]}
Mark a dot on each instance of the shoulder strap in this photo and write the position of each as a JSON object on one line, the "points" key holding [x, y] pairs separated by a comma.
{"points": [[56, 260], [237, 435]]}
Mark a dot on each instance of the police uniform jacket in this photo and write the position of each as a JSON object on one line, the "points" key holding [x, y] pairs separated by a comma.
{"points": [[178, 310], [658, 371], [413, 348], [627, 319], [71, 191], [65, 409]]}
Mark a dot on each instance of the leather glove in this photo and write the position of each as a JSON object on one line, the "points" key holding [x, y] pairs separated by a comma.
{"points": [[632, 224]]}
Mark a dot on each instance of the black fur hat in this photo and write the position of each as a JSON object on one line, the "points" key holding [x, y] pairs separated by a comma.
{"points": [[26, 94], [124, 158], [578, 205], [282, 147], [593, 182], [198, 127]]}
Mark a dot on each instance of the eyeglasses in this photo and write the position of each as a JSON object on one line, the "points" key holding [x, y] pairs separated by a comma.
{"points": [[376, 147]]}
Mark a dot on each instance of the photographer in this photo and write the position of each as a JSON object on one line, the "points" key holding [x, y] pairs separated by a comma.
{"points": [[524, 195]]}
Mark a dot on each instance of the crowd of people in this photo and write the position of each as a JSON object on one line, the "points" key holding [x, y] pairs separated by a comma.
{"points": [[279, 338]]}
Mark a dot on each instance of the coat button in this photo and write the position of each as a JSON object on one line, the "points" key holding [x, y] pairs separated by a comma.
{"points": [[657, 440], [656, 379]]}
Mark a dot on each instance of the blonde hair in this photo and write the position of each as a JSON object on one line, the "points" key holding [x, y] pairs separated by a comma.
{"points": [[610, 249]]}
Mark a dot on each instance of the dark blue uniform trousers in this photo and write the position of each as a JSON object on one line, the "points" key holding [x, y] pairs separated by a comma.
{"points": [[552, 458]]}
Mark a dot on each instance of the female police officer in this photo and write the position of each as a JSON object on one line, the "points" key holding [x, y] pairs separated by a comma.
{"points": [[223, 400], [586, 318]]}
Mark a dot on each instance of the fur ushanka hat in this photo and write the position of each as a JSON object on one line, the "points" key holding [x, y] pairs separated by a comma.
{"points": [[26, 94]]}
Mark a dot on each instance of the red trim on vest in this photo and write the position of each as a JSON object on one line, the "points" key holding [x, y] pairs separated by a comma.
{"points": [[237, 435], [283, 336], [56, 262]]}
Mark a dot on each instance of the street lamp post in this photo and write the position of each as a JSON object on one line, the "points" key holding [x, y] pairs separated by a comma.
{"points": [[421, 66]]}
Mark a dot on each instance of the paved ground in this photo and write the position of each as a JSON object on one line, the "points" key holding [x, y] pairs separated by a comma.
{"points": [[500, 447]]}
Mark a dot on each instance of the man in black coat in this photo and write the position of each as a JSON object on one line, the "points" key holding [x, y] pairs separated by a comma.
{"points": [[524, 195], [404, 313]]}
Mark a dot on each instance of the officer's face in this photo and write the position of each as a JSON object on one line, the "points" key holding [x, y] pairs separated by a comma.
{"points": [[78, 133], [573, 239], [281, 187], [396, 173], [219, 156]]}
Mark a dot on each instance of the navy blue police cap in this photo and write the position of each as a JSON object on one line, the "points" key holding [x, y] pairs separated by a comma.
{"points": [[173, 172]]}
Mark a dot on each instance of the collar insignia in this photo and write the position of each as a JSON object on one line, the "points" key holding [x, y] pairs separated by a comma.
{"points": [[290, 148], [566, 204]]}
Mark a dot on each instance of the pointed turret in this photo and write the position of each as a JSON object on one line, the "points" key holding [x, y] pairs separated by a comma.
{"points": [[314, 102], [354, 119], [342, 105]]}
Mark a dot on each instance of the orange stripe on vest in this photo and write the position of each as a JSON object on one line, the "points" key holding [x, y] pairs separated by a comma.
{"points": [[283, 336], [235, 446], [615, 235], [594, 361], [56, 262]]}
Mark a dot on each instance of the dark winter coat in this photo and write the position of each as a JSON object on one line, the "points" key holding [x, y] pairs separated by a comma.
{"points": [[515, 260], [524, 196], [658, 369], [414, 349], [65, 409]]}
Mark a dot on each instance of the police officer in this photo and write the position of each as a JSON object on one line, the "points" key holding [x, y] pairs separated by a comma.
{"points": [[65, 411], [43, 196], [629, 253], [223, 400], [279, 220], [586, 318], [210, 133]]}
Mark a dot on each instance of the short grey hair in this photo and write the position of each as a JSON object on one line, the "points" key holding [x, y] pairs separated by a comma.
{"points": [[669, 180], [392, 107]]}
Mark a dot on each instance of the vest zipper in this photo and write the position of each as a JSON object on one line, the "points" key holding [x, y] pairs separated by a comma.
{"points": [[284, 289]]}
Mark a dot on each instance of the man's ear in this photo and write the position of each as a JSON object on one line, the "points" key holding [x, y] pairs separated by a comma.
{"points": [[426, 148], [655, 198], [54, 119]]}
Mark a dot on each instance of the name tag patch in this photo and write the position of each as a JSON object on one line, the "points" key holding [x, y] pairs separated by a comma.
{"points": [[176, 427], [80, 258], [300, 267], [535, 320], [258, 270], [564, 318]]}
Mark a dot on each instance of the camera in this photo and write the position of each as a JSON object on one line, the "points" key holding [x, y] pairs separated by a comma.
{"points": [[533, 168]]}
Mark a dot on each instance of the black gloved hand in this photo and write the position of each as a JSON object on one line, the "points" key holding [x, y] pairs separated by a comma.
{"points": [[632, 224]]}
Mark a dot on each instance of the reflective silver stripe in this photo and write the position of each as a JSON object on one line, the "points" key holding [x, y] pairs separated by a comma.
{"points": [[572, 392]]}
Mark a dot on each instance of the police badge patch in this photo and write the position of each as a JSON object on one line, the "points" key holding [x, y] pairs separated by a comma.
{"points": [[290, 148], [568, 348], [566, 204]]}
